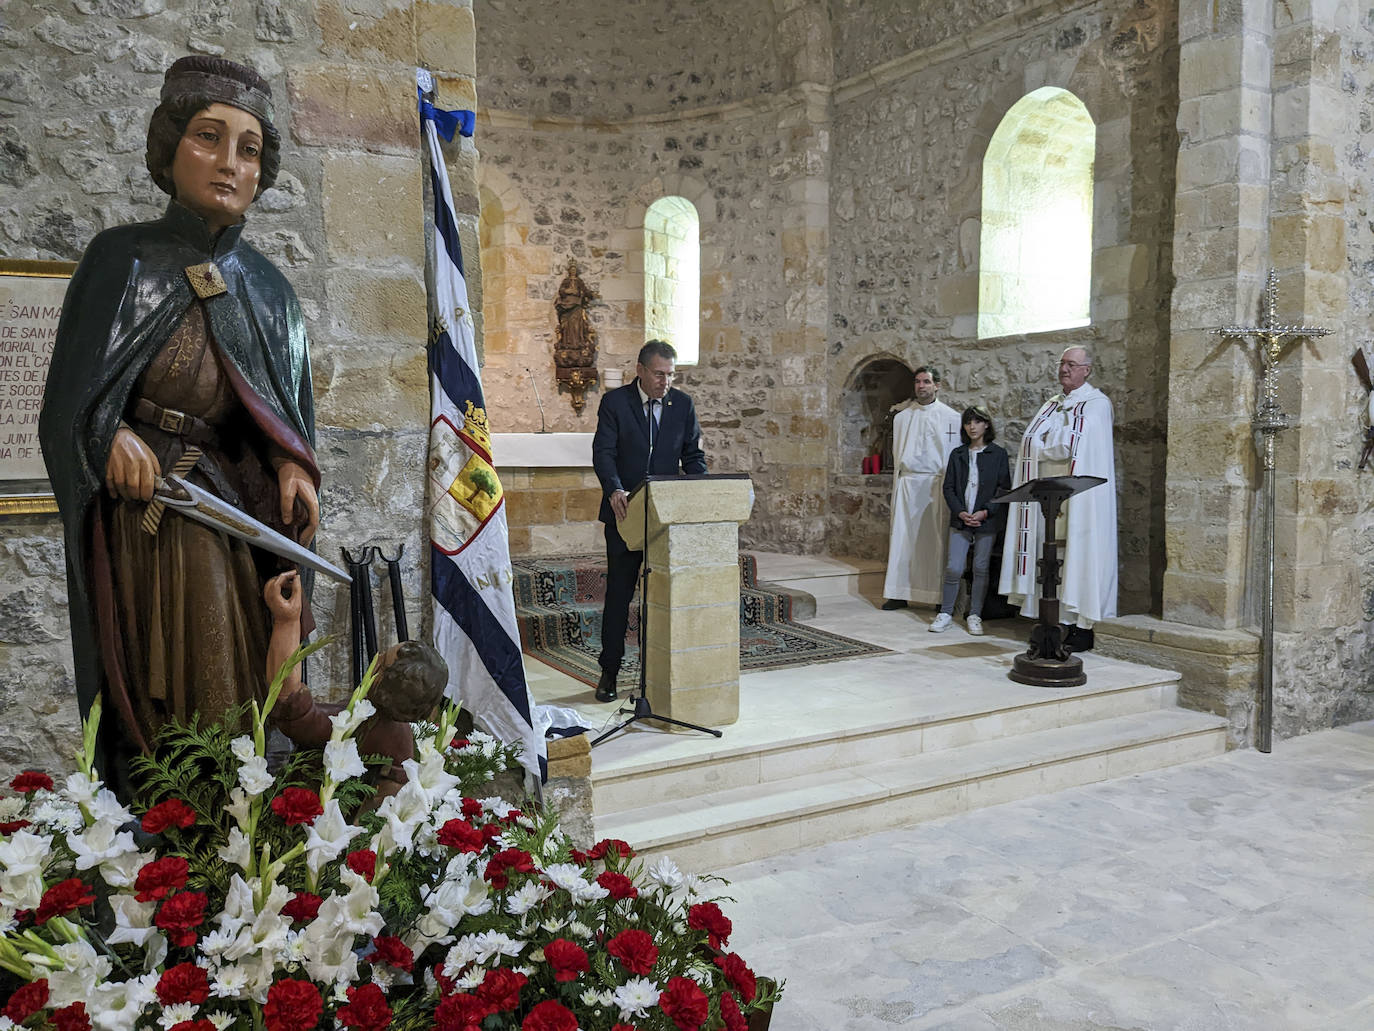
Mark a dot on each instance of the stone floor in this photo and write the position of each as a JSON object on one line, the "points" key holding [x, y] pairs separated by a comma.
{"points": [[1232, 893]]}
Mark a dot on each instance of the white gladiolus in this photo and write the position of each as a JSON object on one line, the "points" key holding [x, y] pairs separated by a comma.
{"points": [[238, 850], [117, 1005], [109, 809], [243, 748], [341, 761], [345, 722], [254, 778], [22, 857], [101, 842], [404, 812], [81, 789], [327, 837], [133, 920], [82, 969], [122, 870]]}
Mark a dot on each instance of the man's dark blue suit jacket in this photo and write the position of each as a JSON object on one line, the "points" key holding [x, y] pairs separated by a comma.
{"points": [[620, 448]]}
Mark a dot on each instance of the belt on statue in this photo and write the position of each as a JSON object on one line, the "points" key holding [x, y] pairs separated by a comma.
{"points": [[180, 424]]}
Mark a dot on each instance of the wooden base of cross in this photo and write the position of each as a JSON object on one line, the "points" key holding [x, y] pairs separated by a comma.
{"points": [[1270, 420]]}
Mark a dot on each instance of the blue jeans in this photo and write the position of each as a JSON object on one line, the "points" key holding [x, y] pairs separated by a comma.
{"points": [[959, 543]]}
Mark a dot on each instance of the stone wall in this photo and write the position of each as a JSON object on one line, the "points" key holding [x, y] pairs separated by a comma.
{"points": [[909, 141], [78, 81]]}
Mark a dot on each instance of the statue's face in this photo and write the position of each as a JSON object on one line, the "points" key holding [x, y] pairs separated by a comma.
{"points": [[218, 164]]}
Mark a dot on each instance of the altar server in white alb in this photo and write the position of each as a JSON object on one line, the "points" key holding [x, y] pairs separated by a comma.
{"points": [[1071, 435], [923, 435]]}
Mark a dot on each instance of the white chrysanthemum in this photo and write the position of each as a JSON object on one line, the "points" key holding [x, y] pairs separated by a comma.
{"points": [[243, 748], [569, 877], [554, 924], [238, 850], [10, 807], [691, 884], [497, 806], [253, 776], [526, 897], [328, 836], [635, 997], [665, 873], [176, 1013], [604, 998], [82, 969], [214, 944], [345, 722], [56, 814], [222, 1021], [22, 857], [342, 761], [579, 930], [6, 1024], [229, 981], [474, 978], [7, 919]]}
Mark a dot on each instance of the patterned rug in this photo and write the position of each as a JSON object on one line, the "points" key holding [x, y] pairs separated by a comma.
{"points": [[558, 606]]}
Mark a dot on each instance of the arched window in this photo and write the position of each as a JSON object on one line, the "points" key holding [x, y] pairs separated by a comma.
{"points": [[1035, 256], [672, 276]]}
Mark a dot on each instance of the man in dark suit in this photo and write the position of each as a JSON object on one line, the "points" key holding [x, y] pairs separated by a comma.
{"points": [[645, 428]]}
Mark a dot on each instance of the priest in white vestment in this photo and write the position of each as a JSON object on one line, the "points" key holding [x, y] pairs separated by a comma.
{"points": [[1071, 435], [923, 435]]}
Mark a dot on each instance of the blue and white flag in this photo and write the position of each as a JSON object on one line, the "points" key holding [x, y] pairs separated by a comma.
{"points": [[470, 567]]}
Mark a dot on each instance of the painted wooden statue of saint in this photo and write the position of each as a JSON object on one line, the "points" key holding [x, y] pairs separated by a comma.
{"points": [[178, 337]]}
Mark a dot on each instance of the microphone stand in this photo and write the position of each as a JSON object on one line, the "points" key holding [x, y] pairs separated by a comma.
{"points": [[642, 710], [535, 387]]}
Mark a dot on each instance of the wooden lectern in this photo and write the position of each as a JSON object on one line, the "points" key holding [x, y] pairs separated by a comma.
{"points": [[689, 532]]}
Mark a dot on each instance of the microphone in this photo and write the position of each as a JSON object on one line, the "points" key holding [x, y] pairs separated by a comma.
{"points": [[535, 387]]}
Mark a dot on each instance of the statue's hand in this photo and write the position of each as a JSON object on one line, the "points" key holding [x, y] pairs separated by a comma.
{"points": [[295, 486], [132, 469], [283, 597]]}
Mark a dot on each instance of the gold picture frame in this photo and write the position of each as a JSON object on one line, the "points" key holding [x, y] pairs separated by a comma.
{"points": [[31, 293]]}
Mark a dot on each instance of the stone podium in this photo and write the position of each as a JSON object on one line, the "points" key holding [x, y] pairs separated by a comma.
{"points": [[688, 528]]}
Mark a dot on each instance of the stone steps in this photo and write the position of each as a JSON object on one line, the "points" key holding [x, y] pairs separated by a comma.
{"points": [[728, 805]]}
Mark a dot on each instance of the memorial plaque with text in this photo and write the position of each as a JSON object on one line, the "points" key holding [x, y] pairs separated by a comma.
{"points": [[30, 304]]}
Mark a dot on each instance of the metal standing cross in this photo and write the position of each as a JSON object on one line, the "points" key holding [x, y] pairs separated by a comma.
{"points": [[1270, 420]]}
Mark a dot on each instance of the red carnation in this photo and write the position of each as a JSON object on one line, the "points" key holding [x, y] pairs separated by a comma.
{"points": [[580, 858], [550, 1016], [180, 915], [471, 809], [72, 1018], [292, 1006], [31, 780], [685, 1003], [171, 813], [620, 886], [8, 827], [505, 862], [363, 862], [461, 835], [61, 898], [739, 975], [184, 982], [460, 1013], [193, 1025], [623, 1027], [303, 907], [366, 1009], [608, 845], [459, 742], [296, 806], [512, 816], [447, 985], [391, 951], [635, 949], [501, 988], [730, 1013], [706, 916], [567, 959], [27, 1001], [161, 877]]}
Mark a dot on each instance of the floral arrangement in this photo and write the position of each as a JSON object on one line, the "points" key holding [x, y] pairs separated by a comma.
{"points": [[246, 899]]}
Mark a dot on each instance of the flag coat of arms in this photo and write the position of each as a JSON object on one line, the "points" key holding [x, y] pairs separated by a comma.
{"points": [[470, 567]]}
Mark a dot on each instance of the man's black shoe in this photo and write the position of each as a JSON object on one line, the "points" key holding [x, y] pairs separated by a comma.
{"points": [[605, 687], [1077, 639], [893, 603]]}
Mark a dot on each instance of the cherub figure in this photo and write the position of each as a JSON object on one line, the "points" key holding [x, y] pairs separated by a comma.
{"points": [[411, 677]]}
